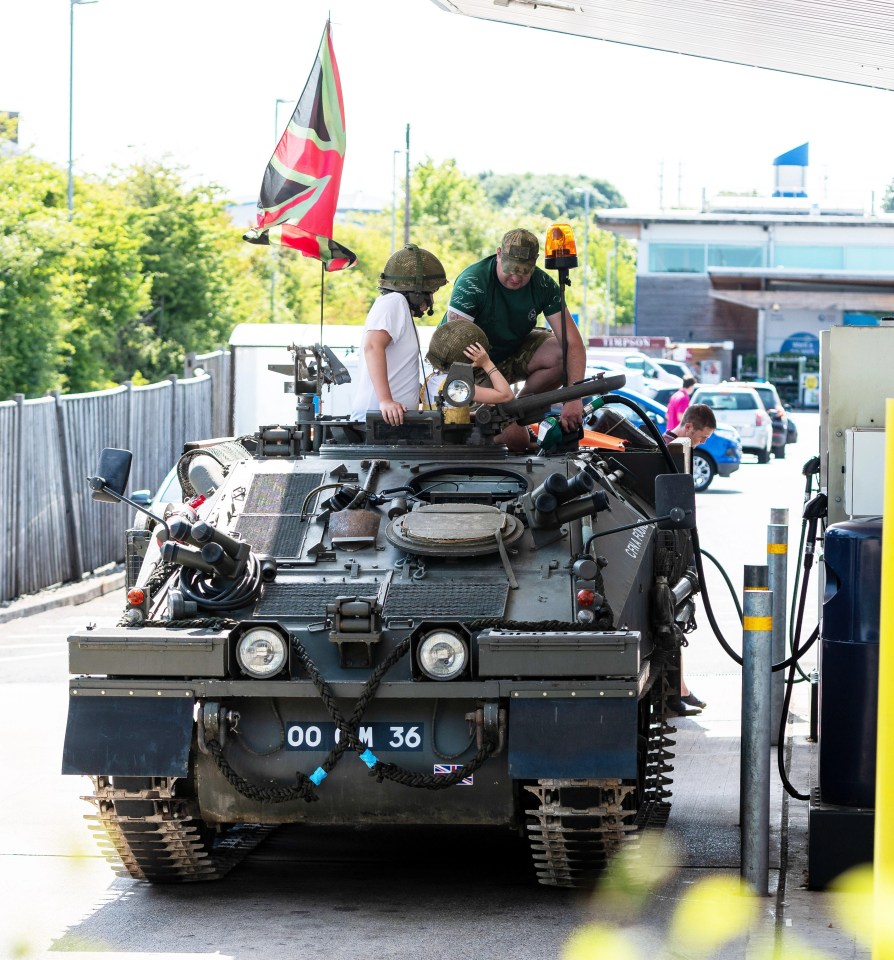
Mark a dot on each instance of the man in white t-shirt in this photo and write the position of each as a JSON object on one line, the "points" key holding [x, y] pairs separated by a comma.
{"points": [[388, 377]]}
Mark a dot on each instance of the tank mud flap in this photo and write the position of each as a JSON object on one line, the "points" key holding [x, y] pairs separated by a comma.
{"points": [[573, 738], [128, 736]]}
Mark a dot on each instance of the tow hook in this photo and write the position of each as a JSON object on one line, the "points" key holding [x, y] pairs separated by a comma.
{"points": [[490, 726], [214, 723]]}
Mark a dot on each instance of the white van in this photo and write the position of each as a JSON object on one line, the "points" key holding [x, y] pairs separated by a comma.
{"points": [[634, 361]]}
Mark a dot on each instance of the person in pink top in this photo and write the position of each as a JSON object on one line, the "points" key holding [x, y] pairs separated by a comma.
{"points": [[678, 403]]}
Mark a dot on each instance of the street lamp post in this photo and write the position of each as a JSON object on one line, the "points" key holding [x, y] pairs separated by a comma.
{"points": [[394, 198], [585, 321], [71, 28], [608, 291], [273, 253]]}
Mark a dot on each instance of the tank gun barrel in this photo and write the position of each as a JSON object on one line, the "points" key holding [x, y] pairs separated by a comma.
{"points": [[533, 406]]}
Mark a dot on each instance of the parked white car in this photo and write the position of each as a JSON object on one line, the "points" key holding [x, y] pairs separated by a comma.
{"points": [[674, 367], [740, 406]]}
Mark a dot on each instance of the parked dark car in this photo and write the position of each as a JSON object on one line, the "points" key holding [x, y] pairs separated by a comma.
{"points": [[768, 393], [662, 395]]}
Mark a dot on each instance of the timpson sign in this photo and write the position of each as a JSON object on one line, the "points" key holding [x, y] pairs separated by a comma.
{"points": [[631, 342]]}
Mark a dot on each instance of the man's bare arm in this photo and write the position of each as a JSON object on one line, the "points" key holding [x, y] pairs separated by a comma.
{"points": [[577, 352], [572, 411]]}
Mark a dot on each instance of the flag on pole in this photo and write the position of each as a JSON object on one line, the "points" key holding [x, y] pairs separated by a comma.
{"points": [[299, 192]]}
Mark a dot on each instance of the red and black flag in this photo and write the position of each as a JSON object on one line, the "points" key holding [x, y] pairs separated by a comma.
{"points": [[300, 189]]}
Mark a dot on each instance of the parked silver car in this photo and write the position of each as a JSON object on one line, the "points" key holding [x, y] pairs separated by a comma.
{"points": [[739, 405]]}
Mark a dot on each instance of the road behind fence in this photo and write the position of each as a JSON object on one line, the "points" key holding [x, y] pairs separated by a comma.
{"points": [[52, 531]]}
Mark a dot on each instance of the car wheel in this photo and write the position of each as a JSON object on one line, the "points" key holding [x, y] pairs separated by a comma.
{"points": [[779, 452], [763, 456], [702, 472]]}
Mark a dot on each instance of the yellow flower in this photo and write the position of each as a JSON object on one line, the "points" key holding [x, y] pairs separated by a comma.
{"points": [[715, 911], [595, 942]]}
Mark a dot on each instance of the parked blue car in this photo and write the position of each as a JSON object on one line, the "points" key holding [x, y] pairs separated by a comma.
{"points": [[719, 455]]}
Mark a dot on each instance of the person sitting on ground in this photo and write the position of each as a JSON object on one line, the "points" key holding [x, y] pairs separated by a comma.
{"points": [[388, 377], [504, 294], [463, 342], [678, 402], [698, 423]]}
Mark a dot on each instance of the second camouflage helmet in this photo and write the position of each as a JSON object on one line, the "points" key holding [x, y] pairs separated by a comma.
{"points": [[449, 341], [413, 270]]}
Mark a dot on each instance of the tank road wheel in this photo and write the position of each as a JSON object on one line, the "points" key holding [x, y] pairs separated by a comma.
{"points": [[149, 832]]}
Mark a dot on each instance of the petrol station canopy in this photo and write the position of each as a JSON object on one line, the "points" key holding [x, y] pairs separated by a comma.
{"points": [[851, 41]]}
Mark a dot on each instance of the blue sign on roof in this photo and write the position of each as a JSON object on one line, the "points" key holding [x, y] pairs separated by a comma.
{"points": [[794, 158]]}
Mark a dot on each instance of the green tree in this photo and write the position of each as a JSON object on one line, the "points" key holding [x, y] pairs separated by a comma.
{"points": [[191, 255], [554, 196], [888, 199], [107, 287], [34, 239]]}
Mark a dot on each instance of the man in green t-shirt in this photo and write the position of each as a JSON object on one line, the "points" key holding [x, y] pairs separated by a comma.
{"points": [[504, 294]]}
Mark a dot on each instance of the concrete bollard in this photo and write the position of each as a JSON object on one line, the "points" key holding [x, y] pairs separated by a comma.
{"points": [[777, 567], [754, 814]]}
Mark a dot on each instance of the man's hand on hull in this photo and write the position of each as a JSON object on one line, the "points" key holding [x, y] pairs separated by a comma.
{"points": [[572, 415]]}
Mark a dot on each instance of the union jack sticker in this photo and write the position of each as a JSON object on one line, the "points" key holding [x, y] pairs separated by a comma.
{"points": [[442, 769]]}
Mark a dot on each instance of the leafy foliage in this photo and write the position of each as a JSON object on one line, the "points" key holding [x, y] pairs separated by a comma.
{"points": [[151, 266], [552, 196], [888, 199]]}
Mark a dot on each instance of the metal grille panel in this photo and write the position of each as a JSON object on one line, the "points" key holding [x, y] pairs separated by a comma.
{"points": [[280, 492], [446, 599], [277, 536], [309, 599]]}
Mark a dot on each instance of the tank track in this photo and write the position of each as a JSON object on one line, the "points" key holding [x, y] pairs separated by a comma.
{"points": [[579, 824], [655, 807], [148, 833]]}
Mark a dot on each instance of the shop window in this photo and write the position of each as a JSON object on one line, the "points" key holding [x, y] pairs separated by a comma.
{"points": [[795, 256], [870, 258], [729, 255], [676, 258]]}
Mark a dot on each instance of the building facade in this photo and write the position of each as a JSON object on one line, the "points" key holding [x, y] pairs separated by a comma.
{"points": [[767, 274]]}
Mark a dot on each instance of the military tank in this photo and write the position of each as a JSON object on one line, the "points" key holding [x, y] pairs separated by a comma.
{"points": [[361, 624]]}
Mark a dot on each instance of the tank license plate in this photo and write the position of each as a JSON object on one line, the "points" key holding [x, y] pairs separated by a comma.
{"points": [[377, 735]]}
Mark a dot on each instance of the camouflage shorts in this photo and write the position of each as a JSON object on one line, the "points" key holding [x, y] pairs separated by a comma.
{"points": [[515, 368]]}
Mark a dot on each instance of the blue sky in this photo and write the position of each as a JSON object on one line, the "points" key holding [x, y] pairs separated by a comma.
{"points": [[198, 81]]}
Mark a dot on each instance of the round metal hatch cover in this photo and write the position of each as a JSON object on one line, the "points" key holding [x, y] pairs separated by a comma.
{"points": [[456, 529]]}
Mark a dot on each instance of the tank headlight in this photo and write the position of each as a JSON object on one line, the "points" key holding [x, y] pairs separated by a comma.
{"points": [[459, 386], [442, 655], [261, 652], [459, 393]]}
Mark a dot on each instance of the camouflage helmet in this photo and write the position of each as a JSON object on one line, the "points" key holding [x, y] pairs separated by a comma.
{"points": [[412, 270], [450, 340]]}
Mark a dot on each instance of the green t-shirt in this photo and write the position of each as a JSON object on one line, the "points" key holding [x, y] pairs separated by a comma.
{"points": [[506, 316]]}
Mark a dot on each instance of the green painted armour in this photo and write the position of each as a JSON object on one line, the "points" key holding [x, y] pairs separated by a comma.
{"points": [[506, 316]]}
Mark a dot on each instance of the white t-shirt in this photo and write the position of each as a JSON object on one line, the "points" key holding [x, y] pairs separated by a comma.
{"points": [[390, 313]]}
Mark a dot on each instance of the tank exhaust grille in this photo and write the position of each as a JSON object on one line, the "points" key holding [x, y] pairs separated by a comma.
{"points": [[453, 600]]}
